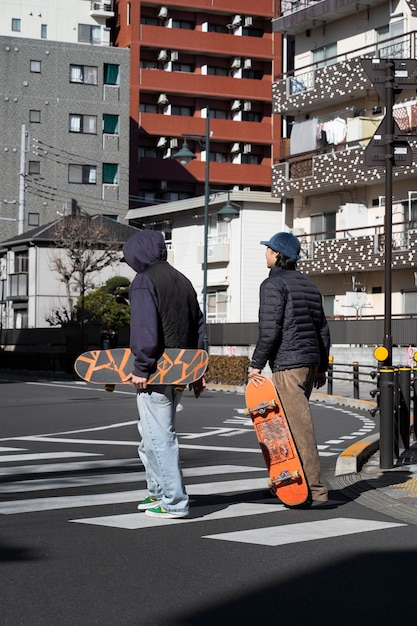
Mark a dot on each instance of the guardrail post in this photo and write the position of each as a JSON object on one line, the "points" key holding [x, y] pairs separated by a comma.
{"points": [[355, 380], [404, 380], [386, 446], [330, 377]]}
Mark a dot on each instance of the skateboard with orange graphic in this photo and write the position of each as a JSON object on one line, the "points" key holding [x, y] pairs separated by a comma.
{"points": [[111, 367], [286, 475]]}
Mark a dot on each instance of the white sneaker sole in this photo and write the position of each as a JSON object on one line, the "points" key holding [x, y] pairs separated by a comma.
{"points": [[166, 515]]}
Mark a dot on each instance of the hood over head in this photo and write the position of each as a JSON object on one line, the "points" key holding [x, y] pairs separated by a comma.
{"points": [[144, 248]]}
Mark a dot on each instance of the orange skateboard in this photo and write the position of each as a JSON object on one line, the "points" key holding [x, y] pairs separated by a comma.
{"points": [[286, 473], [111, 367]]}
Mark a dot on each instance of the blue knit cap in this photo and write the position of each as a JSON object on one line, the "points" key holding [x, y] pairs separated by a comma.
{"points": [[285, 243]]}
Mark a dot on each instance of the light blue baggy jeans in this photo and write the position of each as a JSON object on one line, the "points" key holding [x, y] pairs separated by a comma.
{"points": [[158, 448]]}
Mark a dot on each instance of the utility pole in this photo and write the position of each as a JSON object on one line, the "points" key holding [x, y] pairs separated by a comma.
{"points": [[22, 173]]}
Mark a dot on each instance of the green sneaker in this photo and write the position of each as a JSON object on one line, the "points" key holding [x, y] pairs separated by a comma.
{"points": [[158, 511], [148, 503]]}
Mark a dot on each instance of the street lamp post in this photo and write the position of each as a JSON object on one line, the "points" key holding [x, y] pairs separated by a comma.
{"points": [[185, 156]]}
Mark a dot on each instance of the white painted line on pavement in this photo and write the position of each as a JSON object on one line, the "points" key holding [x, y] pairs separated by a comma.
{"points": [[39, 456], [306, 531], [71, 502], [136, 521], [64, 482], [81, 466], [12, 449]]}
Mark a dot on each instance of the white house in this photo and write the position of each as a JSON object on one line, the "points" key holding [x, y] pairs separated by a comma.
{"points": [[30, 289]]}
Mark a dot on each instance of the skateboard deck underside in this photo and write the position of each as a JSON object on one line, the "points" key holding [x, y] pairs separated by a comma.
{"points": [[111, 367], [286, 474]]}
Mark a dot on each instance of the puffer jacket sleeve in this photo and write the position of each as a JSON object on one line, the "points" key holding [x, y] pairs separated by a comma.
{"points": [[272, 300]]}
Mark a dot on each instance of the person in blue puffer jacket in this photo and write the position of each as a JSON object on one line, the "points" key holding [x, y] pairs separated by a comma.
{"points": [[294, 340]]}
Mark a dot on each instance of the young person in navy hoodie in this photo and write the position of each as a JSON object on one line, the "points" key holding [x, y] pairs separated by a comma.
{"points": [[164, 314]]}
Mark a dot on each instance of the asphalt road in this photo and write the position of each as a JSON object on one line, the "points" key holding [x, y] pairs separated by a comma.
{"points": [[75, 551]]}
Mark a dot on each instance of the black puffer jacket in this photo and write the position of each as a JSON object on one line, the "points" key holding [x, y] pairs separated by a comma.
{"points": [[293, 330]]}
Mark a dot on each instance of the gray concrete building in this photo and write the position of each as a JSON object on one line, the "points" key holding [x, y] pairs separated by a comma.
{"points": [[64, 126]]}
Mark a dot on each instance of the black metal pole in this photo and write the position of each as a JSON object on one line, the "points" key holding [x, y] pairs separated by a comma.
{"points": [[389, 159], [386, 445], [404, 381], [356, 380]]}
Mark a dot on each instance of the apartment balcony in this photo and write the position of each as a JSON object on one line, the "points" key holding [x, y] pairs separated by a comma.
{"points": [[197, 85], [246, 7], [358, 250], [218, 251], [310, 87], [194, 41], [102, 9], [318, 172], [224, 130], [18, 287], [299, 15]]}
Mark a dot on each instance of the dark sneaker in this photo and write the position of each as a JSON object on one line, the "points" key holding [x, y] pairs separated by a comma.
{"points": [[158, 511], [148, 503]]}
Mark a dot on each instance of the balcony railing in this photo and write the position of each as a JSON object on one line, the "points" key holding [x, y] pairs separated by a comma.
{"points": [[303, 78]]}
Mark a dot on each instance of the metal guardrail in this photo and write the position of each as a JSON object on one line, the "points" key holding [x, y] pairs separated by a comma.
{"points": [[353, 375]]}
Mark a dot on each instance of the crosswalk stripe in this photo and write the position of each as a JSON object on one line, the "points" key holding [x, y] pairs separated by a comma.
{"points": [[136, 521], [39, 456], [70, 502], [63, 482], [77, 466], [305, 531]]}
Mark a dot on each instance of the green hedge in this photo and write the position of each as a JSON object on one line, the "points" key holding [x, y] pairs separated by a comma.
{"points": [[228, 370]]}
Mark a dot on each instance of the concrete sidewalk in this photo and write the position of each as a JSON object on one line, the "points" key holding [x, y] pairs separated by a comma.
{"points": [[390, 491]]}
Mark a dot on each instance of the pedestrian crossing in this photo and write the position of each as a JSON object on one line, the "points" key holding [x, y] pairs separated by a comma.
{"points": [[96, 481]]}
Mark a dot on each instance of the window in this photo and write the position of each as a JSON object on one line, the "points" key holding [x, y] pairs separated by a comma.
{"points": [[83, 124], [320, 55], [410, 302], [111, 74], [16, 23], [110, 173], [393, 49], [251, 116], [148, 64], [218, 28], [182, 67], [217, 71], [85, 74], [216, 305], [219, 157], [84, 174], [89, 34], [219, 114], [35, 66], [323, 226], [186, 25], [182, 110], [33, 219], [34, 116], [44, 31], [251, 159], [328, 305], [34, 167], [110, 124], [21, 262], [147, 107]]}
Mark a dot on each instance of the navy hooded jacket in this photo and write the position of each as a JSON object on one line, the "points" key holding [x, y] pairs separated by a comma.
{"points": [[163, 303]]}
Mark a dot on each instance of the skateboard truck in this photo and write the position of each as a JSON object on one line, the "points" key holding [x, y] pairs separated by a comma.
{"points": [[262, 407], [285, 476]]}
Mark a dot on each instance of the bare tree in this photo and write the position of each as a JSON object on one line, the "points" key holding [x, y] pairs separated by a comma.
{"points": [[84, 245]]}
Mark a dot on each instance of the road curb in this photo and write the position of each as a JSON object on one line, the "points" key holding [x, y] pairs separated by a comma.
{"points": [[353, 458]]}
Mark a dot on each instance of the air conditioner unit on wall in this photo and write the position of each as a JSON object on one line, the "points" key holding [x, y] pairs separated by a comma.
{"points": [[236, 62], [163, 12], [163, 99], [235, 105], [247, 64], [163, 55], [248, 21], [247, 105]]}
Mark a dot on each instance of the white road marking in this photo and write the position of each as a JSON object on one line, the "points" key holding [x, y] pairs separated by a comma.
{"points": [[64, 482], [306, 531], [70, 502], [39, 456], [136, 521], [12, 449]]}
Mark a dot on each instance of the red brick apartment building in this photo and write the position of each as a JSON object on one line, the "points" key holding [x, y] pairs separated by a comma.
{"points": [[190, 59]]}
